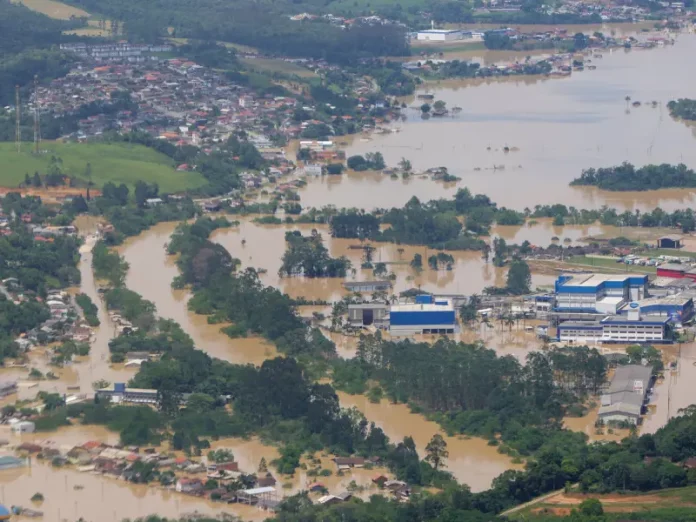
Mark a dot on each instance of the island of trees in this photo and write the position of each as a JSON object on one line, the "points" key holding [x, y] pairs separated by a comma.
{"points": [[626, 177], [683, 108]]}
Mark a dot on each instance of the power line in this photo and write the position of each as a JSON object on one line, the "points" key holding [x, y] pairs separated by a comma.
{"points": [[18, 128]]}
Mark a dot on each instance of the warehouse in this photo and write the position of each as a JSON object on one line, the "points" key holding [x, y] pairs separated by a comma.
{"points": [[671, 241], [627, 395], [442, 35], [118, 393], [623, 329], [676, 270], [598, 293], [367, 314], [427, 315]]}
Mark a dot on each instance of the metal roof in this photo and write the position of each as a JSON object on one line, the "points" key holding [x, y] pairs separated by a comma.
{"points": [[258, 491]]}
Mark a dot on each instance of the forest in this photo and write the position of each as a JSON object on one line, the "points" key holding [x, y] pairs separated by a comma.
{"points": [[263, 25], [27, 41], [626, 177]]}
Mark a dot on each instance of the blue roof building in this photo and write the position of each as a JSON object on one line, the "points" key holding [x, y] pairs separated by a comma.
{"points": [[426, 315]]}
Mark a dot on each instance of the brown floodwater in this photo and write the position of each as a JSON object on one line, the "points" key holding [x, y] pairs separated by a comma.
{"points": [[471, 460], [556, 126], [101, 499]]}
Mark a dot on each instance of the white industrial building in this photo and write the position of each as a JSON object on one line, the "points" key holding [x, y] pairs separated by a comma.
{"points": [[443, 35]]}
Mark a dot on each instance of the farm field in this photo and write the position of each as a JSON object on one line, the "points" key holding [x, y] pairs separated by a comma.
{"points": [[668, 504], [118, 163], [54, 9], [280, 66]]}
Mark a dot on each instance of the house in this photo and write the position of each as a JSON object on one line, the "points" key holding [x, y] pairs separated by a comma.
{"points": [[349, 462], [316, 487], [10, 462], [136, 358], [29, 447], [380, 480], [328, 500], [267, 481], [190, 486], [23, 427], [8, 388], [669, 241]]}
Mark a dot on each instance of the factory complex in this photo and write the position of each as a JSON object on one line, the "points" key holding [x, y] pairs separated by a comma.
{"points": [[600, 308]]}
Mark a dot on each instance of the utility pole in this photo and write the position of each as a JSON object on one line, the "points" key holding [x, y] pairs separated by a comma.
{"points": [[37, 124], [18, 117]]}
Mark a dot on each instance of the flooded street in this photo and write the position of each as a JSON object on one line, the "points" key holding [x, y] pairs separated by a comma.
{"points": [[560, 126]]}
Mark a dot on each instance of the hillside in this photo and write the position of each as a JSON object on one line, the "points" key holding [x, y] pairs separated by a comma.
{"points": [[118, 162]]}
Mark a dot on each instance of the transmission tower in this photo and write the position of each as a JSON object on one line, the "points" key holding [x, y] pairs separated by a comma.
{"points": [[37, 123], [18, 118]]}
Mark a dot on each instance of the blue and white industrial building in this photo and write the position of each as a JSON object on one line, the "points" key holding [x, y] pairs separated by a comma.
{"points": [[427, 315], [598, 293], [597, 308]]}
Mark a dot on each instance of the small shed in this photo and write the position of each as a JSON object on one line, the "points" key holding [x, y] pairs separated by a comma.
{"points": [[670, 241]]}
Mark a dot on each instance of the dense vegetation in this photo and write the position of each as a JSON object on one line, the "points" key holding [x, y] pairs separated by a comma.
{"points": [[307, 256], [650, 177], [89, 309], [26, 38], [261, 25], [683, 108]]}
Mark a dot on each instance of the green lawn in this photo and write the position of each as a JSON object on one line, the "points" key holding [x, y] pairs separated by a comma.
{"points": [[671, 252], [116, 162], [603, 264]]}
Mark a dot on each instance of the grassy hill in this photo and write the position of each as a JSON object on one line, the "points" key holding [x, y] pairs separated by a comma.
{"points": [[54, 9], [116, 162]]}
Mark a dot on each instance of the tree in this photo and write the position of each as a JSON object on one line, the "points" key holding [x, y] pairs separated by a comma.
{"points": [[405, 165], [519, 278], [591, 507], [263, 467], [436, 451], [425, 108], [499, 251], [417, 262]]}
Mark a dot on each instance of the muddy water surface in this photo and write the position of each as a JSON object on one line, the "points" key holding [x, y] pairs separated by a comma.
{"points": [[560, 127], [472, 461]]}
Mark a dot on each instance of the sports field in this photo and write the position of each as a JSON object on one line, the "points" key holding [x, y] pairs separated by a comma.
{"points": [[117, 162]]}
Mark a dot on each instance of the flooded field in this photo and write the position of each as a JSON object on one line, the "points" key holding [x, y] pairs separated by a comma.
{"points": [[560, 126], [472, 461]]}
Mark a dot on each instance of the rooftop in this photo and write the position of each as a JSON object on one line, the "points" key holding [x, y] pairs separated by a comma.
{"points": [[441, 31], [417, 307], [590, 280]]}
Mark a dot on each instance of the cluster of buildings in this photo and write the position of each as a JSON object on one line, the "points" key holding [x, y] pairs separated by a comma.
{"points": [[624, 309], [606, 12], [64, 323], [122, 51]]}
